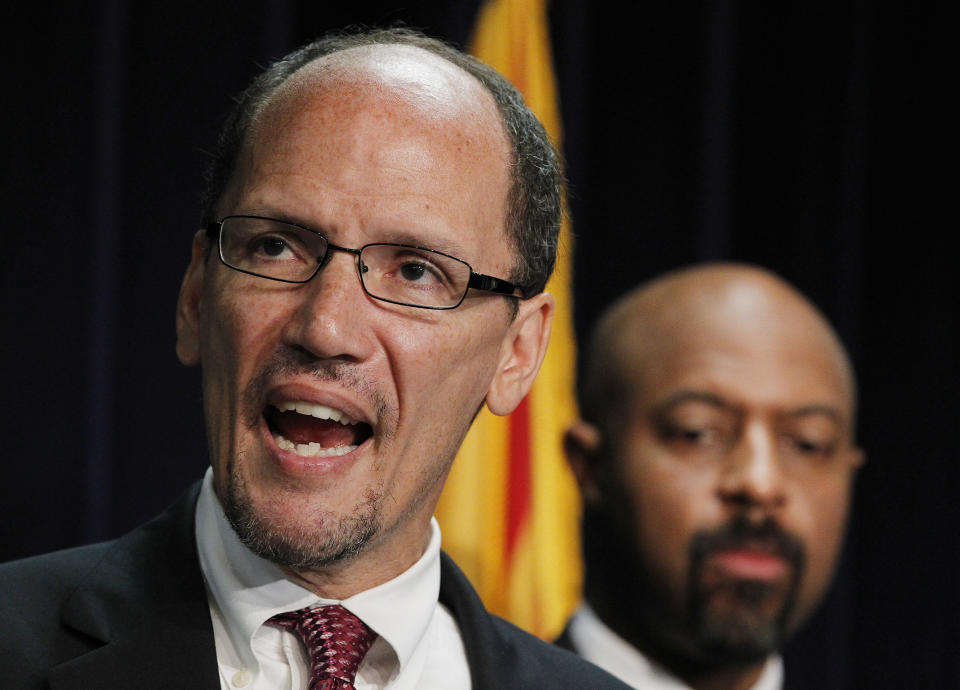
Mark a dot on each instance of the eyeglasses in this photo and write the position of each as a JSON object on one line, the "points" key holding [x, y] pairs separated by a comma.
{"points": [[395, 273]]}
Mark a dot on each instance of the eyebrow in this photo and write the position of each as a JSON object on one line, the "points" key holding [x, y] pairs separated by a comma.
{"points": [[716, 401], [444, 245], [820, 410], [276, 214], [694, 396]]}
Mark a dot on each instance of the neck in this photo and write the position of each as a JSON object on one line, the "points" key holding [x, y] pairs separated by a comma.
{"points": [[374, 566]]}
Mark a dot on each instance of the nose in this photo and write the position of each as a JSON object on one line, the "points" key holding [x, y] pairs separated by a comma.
{"points": [[752, 478], [330, 318]]}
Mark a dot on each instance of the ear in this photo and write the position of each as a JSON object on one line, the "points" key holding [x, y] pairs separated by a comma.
{"points": [[580, 445], [188, 305], [857, 458], [521, 354]]}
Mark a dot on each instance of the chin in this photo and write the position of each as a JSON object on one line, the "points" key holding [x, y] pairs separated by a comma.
{"points": [[745, 623], [306, 539]]}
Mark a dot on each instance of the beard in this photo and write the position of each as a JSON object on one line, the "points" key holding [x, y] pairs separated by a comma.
{"points": [[312, 541], [738, 620], [706, 622], [315, 538]]}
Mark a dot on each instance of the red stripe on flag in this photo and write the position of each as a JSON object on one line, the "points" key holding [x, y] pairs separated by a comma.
{"points": [[518, 474], [517, 73]]}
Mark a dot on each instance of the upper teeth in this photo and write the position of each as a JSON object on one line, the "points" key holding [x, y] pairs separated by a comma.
{"points": [[318, 411]]}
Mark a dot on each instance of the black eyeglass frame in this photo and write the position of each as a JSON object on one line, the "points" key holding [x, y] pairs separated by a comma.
{"points": [[477, 281]]}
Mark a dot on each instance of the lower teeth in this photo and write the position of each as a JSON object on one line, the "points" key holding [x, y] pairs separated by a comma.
{"points": [[311, 450]]}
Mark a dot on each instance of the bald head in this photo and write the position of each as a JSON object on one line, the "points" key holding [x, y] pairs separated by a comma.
{"points": [[413, 73], [702, 307], [444, 113], [391, 77], [716, 459]]}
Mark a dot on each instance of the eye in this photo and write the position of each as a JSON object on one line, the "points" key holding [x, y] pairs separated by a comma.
{"points": [[410, 268], [810, 447], [811, 438], [696, 428], [415, 272], [406, 274], [272, 246], [690, 435]]}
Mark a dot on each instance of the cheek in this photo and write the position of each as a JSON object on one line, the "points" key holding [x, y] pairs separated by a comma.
{"points": [[444, 367], [441, 379], [238, 327], [671, 503], [237, 336], [821, 525]]}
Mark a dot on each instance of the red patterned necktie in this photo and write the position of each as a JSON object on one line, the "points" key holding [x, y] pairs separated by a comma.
{"points": [[336, 642]]}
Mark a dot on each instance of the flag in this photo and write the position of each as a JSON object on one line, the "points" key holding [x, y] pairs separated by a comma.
{"points": [[509, 510]]}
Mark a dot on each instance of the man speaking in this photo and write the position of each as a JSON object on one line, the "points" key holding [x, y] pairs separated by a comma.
{"points": [[380, 222]]}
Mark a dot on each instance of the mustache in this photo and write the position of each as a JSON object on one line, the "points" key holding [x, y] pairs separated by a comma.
{"points": [[288, 363], [740, 533]]}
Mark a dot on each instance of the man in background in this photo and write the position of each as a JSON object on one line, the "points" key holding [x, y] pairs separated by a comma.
{"points": [[716, 457]]}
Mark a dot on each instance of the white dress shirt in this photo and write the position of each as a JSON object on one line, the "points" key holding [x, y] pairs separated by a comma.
{"points": [[418, 643], [595, 642]]}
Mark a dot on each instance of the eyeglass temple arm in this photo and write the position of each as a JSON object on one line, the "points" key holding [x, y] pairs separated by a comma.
{"points": [[478, 281]]}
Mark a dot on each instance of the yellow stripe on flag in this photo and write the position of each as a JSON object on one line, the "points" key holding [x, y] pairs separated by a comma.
{"points": [[536, 584]]}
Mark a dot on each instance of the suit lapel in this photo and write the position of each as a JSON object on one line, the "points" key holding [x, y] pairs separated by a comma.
{"points": [[487, 653], [144, 612]]}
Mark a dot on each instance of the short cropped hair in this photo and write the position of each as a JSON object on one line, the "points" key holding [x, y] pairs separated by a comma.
{"points": [[534, 202]]}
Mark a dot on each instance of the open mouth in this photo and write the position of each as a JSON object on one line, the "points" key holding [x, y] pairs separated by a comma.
{"points": [[314, 431]]}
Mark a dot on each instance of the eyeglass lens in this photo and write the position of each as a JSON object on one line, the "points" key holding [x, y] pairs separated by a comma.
{"points": [[392, 272]]}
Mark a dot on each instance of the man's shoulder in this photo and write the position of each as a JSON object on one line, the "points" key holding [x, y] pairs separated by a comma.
{"points": [[547, 665], [39, 582], [502, 655], [58, 607], [63, 571], [33, 592], [54, 561]]}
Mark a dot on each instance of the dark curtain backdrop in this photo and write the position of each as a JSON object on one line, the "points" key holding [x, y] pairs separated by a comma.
{"points": [[809, 138]]}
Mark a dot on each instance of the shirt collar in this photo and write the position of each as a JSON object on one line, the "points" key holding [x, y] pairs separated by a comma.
{"points": [[248, 590], [602, 646]]}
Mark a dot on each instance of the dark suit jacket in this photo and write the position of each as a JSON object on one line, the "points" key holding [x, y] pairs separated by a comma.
{"points": [[133, 613]]}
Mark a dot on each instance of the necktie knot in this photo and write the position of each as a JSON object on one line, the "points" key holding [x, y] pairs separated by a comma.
{"points": [[336, 642]]}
